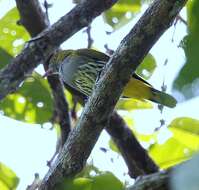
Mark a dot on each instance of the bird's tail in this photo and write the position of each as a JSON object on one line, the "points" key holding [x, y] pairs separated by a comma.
{"points": [[163, 98]]}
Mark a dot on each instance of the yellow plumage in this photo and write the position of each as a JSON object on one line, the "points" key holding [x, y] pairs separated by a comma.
{"points": [[137, 89]]}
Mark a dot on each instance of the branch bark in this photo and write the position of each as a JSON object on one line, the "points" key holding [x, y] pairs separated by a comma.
{"points": [[180, 177], [135, 156], [156, 181], [31, 16], [131, 51]]}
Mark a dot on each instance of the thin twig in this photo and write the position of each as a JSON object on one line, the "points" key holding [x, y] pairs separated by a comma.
{"points": [[89, 39]]}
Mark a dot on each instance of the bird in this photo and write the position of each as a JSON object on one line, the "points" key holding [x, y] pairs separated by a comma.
{"points": [[80, 68]]}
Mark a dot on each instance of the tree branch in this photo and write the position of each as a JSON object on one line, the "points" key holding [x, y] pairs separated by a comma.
{"points": [[35, 21], [156, 181], [40, 48], [131, 51], [181, 176], [31, 16], [136, 157]]}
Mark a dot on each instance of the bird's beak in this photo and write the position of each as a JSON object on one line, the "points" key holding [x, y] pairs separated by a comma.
{"points": [[48, 73]]}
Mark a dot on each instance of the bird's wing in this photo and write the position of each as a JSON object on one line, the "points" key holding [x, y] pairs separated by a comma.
{"points": [[136, 76], [102, 58], [93, 54]]}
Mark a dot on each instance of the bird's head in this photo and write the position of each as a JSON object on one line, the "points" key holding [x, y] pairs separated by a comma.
{"points": [[55, 61]]}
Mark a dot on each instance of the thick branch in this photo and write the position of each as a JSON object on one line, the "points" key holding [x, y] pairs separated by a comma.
{"points": [[124, 61], [136, 157], [182, 176], [39, 49], [35, 21], [31, 16], [156, 181]]}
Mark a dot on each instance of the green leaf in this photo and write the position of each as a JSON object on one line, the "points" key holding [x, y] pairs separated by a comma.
{"points": [[12, 36], [170, 153], [133, 104], [103, 181], [71, 101], [181, 146], [31, 103], [91, 179], [5, 58], [113, 147], [146, 138], [186, 128], [187, 81], [122, 12], [186, 124], [147, 67], [128, 120], [106, 181], [88, 171], [80, 183], [8, 179]]}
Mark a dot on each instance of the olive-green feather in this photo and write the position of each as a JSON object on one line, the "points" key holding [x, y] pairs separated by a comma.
{"points": [[163, 98], [93, 54]]}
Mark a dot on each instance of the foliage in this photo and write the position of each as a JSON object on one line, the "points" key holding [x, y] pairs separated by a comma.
{"points": [[187, 82], [122, 12], [5, 58], [8, 179], [147, 67], [12, 35], [182, 133], [87, 181], [185, 139], [32, 102]]}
